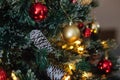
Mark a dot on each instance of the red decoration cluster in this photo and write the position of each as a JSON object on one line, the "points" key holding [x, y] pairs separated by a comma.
{"points": [[38, 11], [80, 25], [105, 65], [3, 75], [87, 32]]}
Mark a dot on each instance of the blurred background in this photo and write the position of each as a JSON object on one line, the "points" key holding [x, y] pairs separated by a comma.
{"points": [[108, 16]]}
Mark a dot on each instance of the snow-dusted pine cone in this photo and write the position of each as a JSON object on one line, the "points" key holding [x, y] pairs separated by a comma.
{"points": [[55, 73], [40, 41]]}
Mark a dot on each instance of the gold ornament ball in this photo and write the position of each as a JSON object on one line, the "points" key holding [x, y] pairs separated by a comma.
{"points": [[95, 27], [71, 33], [85, 2]]}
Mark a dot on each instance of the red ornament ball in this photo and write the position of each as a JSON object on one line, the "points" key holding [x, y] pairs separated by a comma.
{"points": [[38, 11], [3, 75], [87, 32], [105, 65], [80, 25]]}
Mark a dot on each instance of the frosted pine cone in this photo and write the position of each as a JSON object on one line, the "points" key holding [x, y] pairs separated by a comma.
{"points": [[54, 73], [40, 41]]}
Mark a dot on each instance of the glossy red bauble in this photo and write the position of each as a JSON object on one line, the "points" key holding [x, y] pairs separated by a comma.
{"points": [[87, 32], [105, 65], [38, 11], [3, 75]]}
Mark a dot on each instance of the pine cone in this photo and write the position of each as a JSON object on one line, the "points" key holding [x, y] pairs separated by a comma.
{"points": [[55, 73], [40, 41]]}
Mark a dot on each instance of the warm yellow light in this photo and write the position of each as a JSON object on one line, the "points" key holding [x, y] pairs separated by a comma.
{"points": [[71, 47], [66, 77], [14, 76], [95, 31], [103, 42], [71, 66], [81, 48], [86, 74], [78, 42], [64, 46]]}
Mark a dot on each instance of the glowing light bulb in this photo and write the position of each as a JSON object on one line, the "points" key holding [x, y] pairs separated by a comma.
{"points": [[78, 42], [103, 42], [66, 77], [71, 66], [81, 48], [71, 47], [14, 76], [64, 46], [86, 74]]}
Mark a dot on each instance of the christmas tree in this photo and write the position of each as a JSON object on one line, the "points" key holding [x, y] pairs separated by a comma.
{"points": [[53, 40]]}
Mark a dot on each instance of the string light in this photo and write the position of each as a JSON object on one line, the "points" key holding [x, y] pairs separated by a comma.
{"points": [[71, 47], [14, 76], [81, 49], [78, 42], [71, 66], [66, 77], [64, 46], [105, 44], [86, 75]]}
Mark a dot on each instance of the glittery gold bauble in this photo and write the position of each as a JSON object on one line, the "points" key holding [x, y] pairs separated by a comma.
{"points": [[85, 2], [71, 33]]}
